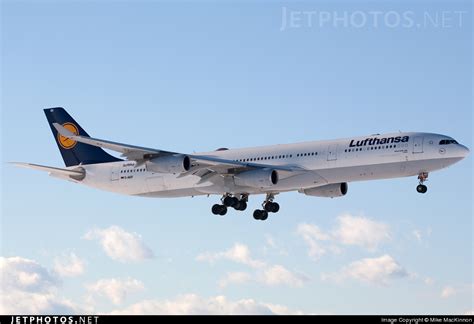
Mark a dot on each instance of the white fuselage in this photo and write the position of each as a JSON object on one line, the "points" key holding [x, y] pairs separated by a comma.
{"points": [[324, 162]]}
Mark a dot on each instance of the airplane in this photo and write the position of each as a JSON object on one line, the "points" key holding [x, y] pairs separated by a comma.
{"points": [[319, 168]]}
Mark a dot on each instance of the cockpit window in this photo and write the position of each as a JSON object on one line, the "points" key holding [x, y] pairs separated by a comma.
{"points": [[447, 141]]}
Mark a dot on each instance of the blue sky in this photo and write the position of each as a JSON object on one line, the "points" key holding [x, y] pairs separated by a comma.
{"points": [[195, 76]]}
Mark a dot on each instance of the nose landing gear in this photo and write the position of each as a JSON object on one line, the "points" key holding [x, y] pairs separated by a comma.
{"points": [[421, 188]]}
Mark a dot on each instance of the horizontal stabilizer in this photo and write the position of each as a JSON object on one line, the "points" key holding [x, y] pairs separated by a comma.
{"points": [[77, 174]]}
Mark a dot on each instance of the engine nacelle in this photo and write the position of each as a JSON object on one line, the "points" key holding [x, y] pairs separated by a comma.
{"points": [[260, 178], [169, 164], [328, 191]]}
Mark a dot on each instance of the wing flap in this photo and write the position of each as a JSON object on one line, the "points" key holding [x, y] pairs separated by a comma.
{"points": [[213, 160]]}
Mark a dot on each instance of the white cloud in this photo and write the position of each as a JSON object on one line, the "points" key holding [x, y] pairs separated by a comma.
{"points": [[279, 275], [269, 275], [25, 275], [69, 265], [26, 287], [373, 270], [422, 235], [428, 281], [361, 231], [469, 313], [312, 235], [239, 253], [235, 278], [272, 246], [417, 235], [116, 290], [276, 275], [270, 241], [448, 291], [121, 245], [461, 289], [192, 304], [283, 310], [35, 303], [350, 230]]}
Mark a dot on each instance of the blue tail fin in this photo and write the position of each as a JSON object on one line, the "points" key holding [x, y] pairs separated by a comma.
{"points": [[74, 153]]}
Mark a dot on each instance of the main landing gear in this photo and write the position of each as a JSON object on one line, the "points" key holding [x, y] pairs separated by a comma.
{"points": [[240, 203], [229, 201], [421, 188], [268, 207]]}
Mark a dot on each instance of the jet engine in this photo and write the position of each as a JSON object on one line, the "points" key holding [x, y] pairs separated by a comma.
{"points": [[169, 164], [260, 178], [329, 191]]}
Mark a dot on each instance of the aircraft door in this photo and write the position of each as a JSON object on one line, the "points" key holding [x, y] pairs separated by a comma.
{"points": [[332, 152], [418, 144], [115, 174]]}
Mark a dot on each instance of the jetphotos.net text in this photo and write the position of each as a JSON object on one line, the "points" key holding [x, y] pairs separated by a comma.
{"points": [[360, 19]]}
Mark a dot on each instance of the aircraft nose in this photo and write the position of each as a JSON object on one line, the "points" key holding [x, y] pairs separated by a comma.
{"points": [[463, 150]]}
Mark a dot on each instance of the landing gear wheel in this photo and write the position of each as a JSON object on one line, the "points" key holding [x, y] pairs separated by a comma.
{"points": [[223, 210], [230, 201], [268, 206], [260, 214], [241, 205], [216, 209], [219, 210], [421, 188], [257, 214], [272, 207], [276, 207]]}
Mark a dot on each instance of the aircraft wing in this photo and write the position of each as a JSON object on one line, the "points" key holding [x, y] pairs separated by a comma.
{"points": [[138, 153], [131, 152]]}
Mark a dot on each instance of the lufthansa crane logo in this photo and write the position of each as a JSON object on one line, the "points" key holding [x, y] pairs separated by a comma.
{"points": [[66, 142]]}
